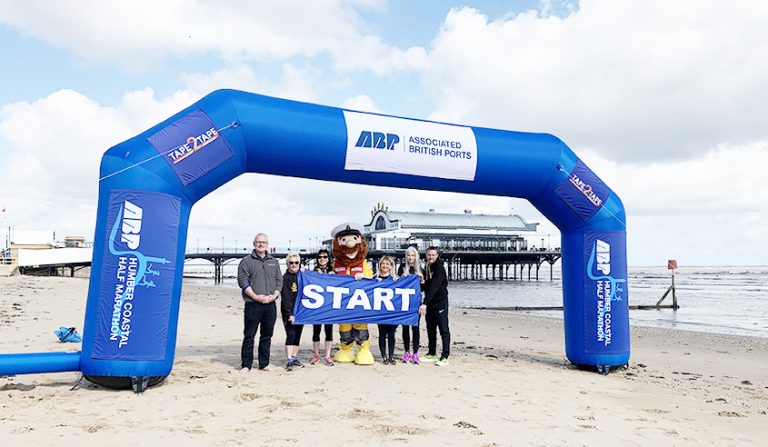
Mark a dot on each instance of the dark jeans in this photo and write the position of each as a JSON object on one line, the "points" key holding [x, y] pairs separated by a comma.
{"points": [[256, 314], [437, 317], [416, 337], [387, 339]]}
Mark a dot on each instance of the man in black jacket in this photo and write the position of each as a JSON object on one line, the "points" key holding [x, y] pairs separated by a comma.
{"points": [[435, 306]]}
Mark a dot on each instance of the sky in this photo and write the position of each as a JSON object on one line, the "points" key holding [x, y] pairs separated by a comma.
{"points": [[665, 101]]}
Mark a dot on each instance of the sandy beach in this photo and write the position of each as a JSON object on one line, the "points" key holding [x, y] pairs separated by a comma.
{"points": [[508, 383]]}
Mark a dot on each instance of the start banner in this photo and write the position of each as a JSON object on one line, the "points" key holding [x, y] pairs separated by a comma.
{"points": [[326, 299]]}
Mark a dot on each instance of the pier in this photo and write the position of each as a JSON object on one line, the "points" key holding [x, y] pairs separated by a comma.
{"points": [[459, 265]]}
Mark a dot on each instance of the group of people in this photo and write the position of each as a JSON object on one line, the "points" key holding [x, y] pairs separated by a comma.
{"points": [[262, 283]]}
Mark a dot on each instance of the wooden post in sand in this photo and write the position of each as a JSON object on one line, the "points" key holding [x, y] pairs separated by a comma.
{"points": [[671, 265]]}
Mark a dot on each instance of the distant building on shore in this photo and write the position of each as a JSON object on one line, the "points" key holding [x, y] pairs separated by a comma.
{"points": [[467, 231], [76, 242]]}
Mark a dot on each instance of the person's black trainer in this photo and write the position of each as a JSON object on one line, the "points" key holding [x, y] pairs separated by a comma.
{"points": [[297, 363], [289, 366]]}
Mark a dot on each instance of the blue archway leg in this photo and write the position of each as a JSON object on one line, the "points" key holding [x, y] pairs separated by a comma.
{"points": [[595, 304]]}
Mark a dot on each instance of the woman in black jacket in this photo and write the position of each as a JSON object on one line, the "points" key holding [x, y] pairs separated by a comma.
{"points": [[322, 265], [287, 302]]}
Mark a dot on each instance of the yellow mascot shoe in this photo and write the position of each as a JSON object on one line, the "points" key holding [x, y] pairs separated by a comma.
{"points": [[345, 354], [364, 356]]}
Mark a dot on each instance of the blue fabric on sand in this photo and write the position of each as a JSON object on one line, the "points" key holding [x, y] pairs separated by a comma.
{"points": [[68, 334]]}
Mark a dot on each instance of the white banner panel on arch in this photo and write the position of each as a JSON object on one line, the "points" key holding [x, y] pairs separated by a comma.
{"points": [[386, 144]]}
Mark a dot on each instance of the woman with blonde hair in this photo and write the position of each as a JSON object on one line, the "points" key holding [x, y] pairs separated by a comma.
{"points": [[386, 331], [411, 266], [288, 300]]}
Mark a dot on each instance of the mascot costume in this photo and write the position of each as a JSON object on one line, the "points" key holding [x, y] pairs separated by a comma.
{"points": [[349, 251]]}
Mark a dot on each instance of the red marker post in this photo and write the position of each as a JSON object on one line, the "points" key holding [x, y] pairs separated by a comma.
{"points": [[671, 265]]}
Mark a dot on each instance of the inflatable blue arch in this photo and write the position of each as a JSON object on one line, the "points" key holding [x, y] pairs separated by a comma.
{"points": [[149, 183]]}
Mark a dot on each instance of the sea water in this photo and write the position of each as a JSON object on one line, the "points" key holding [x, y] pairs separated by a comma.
{"points": [[726, 300]]}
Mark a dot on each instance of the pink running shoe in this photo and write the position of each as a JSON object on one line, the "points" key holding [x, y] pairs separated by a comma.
{"points": [[415, 358], [407, 357]]}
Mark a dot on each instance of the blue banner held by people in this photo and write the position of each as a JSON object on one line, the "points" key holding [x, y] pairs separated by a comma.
{"points": [[325, 299]]}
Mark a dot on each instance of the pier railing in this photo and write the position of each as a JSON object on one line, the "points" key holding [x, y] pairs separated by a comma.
{"points": [[459, 264]]}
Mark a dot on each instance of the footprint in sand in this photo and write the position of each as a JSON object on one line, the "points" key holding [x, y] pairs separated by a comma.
{"points": [[462, 424], [398, 430], [17, 386]]}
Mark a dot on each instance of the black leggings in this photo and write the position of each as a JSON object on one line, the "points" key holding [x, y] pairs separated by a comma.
{"points": [[387, 339], [292, 332], [328, 332], [407, 337]]}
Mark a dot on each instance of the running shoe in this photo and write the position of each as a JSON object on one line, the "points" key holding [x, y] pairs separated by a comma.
{"points": [[441, 362], [429, 358], [289, 366], [315, 359], [407, 357], [392, 361], [297, 363], [385, 360], [328, 361], [415, 359]]}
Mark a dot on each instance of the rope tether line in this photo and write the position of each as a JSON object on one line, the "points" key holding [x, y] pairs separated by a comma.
{"points": [[233, 125]]}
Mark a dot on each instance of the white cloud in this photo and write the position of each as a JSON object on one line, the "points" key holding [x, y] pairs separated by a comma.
{"points": [[53, 147], [63, 132], [140, 34], [239, 76], [707, 211], [362, 103], [294, 83], [728, 179], [633, 80]]}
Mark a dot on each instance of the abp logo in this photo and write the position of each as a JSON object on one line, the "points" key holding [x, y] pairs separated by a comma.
{"points": [[131, 226], [603, 256], [377, 140]]}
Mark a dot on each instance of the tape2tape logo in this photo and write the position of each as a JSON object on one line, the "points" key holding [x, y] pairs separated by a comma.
{"points": [[585, 189], [193, 144]]}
